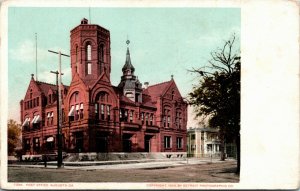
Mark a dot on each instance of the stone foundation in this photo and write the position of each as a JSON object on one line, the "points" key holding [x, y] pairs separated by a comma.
{"points": [[72, 157]]}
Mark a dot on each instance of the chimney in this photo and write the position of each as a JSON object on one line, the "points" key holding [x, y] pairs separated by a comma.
{"points": [[146, 85], [84, 21]]}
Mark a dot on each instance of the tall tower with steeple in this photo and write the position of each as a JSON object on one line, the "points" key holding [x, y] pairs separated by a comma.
{"points": [[90, 51], [131, 86]]}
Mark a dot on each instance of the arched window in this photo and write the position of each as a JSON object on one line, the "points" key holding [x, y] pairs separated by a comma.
{"points": [[103, 106], [76, 53], [101, 52], [26, 122], [88, 58], [178, 118], [76, 107], [89, 52], [167, 117], [173, 93], [76, 58], [36, 120]]}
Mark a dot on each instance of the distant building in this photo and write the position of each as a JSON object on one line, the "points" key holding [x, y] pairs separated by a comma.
{"points": [[205, 142], [98, 116]]}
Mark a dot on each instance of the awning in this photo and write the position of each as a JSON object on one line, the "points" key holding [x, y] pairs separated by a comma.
{"points": [[37, 119], [71, 113], [81, 106], [26, 122], [33, 119], [49, 114], [77, 107], [50, 139]]}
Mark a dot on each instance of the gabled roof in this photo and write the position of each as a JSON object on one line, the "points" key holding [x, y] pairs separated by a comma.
{"points": [[147, 101], [157, 89], [45, 87], [126, 100]]}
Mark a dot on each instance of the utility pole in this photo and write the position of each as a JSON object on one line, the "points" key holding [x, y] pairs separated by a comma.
{"points": [[36, 76], [59, 111]]}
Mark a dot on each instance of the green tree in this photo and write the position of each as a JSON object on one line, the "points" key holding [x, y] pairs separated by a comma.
{"points": [[13, 136], [217, 96]]}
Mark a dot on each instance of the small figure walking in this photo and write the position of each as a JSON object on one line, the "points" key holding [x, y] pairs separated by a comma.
{"points": [[45, 160]]}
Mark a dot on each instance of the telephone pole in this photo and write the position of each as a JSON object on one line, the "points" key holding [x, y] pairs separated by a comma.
{"points": [[59, 110]]}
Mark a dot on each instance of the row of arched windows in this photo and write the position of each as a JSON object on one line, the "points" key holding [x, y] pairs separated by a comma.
{"points": [[34, 122], [167, 118], [103, 106], [88, 53]]}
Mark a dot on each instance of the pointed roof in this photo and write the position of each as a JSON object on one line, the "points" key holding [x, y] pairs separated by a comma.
{"points": [[158, 89], [128, 64]]}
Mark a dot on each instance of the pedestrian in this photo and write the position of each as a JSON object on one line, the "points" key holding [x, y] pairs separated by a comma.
{"points": [[45, 160]]}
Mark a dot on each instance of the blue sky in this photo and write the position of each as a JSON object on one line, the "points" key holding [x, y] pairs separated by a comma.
{"points": [[164, 41]]}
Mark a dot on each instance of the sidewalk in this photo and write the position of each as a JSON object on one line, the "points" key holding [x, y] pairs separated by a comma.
{"points": [[129, 164]]}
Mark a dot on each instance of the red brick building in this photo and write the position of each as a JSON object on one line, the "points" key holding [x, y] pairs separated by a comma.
{"points": [[98, 116]]}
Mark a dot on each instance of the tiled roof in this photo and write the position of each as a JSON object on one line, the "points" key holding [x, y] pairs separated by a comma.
{"points": [[149, 104], [126, 99], [46, 86], [157, 89], [147, 101]]}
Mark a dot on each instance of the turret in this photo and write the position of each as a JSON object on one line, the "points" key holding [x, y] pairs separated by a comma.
{"points": [[131, 86], [90, 51]]}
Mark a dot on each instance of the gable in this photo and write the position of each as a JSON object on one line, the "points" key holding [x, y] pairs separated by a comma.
{"points": [[76, 80], [103, 78], [33, 90], [172, 92]]}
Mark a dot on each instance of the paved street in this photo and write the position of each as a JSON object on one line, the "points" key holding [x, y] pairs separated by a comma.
{"points": [[168, 171]]}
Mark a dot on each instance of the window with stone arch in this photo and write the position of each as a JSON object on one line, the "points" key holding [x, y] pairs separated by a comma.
{"points": [[76, 107], [88, 51], [88, 59], [178, 118], [103, 105], [167, 116], [101, 52], [76, 58]]}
